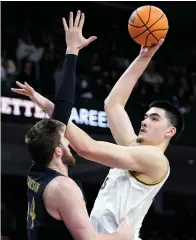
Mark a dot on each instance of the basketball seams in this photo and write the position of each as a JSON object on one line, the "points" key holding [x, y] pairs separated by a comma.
{"points": [[135, 26], [148, 16], [148, 36], [148, 28], [140, 33], [161, 29], [146, 31], [150, 33], [140, 19], [155, 22]]}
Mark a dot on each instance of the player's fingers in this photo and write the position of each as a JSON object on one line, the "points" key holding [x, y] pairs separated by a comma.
{"points": [[124, 221], [82, 19], [144, 49], [20, 84], [77, 19], [65, 24], [87, 42], [20, 91], [157, 46], [90, 39], [161, 41], [29, 87], [70, 20]]}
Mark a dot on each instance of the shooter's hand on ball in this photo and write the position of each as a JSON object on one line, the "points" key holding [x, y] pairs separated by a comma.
{"points": [[148, 52], [73, 34]]}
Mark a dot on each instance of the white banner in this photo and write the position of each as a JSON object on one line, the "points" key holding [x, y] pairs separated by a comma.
{"points": [[28, 109]]}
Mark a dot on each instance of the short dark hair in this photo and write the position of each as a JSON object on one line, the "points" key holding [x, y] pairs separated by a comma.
{"points": [[173, 115], [42, 139]]}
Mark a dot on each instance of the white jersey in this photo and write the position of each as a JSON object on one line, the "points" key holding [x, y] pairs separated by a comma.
{"points": [[122, 195]]}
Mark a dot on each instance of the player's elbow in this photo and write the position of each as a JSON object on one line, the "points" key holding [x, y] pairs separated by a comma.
{"points": [[107, 103], [111, 104]]}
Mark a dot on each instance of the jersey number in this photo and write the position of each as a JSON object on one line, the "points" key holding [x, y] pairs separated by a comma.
{"points": [[31, 212], [104, 184]]}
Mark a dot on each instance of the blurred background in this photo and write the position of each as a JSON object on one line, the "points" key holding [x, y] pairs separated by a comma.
{"points": [[32, 50]]}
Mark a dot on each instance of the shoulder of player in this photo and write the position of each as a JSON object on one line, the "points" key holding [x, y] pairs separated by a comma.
{"points": [[62, 183], [149, 154], [60, 187], [59, 191]]}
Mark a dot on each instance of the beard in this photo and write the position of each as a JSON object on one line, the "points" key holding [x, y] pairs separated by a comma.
{"points": [[139, 140], [68, 159]]}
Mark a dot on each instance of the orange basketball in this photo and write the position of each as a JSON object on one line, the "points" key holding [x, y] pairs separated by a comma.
{"points": [[147, 25]]}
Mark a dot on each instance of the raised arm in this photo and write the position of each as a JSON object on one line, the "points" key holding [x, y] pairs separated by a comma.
{"points": [[102, 152], [64, 98], [143, 159], [119, 122]]}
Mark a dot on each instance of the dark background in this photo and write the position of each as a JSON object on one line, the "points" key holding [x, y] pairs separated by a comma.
{"points": [[37, 25]]}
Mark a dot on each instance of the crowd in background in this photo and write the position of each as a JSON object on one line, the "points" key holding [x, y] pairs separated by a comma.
{"points": [[35, 53], [33, 50]]}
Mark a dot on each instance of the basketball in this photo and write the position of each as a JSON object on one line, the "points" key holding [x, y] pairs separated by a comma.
{"points": [[147, 25]]}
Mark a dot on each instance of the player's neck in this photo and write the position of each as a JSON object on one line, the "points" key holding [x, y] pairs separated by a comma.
{"points": [[162, 146], [59, 167]]}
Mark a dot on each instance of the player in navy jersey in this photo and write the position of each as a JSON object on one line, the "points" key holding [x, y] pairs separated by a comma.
{"points": [[56, 207]]}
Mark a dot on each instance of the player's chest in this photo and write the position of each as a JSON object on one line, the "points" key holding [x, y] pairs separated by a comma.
{"points": [[115, 182]]}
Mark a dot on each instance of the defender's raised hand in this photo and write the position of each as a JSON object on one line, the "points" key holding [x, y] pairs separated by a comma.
{"points": [[42, 102], [24, 89], [73, 33]]}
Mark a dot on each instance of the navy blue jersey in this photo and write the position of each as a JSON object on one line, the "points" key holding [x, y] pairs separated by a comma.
{"points": [[40, 224]]}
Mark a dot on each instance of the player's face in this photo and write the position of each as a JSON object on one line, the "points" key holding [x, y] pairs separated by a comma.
{"points": [[66, 157], [155, 128]]}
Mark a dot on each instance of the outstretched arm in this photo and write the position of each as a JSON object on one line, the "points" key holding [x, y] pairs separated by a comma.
{"points": [[42, 102], [138, 158], [119, 122], [143, 159], [64, 98]]}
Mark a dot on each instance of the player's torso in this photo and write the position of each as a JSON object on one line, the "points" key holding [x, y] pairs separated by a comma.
{"points": [[122, 195], [40, 225]]}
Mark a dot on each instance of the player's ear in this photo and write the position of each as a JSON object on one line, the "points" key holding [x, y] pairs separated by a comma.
{"points": [[171, 131], [58, 152]]}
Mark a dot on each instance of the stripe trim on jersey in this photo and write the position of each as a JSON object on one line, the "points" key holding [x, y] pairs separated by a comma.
{"points": [[149, 184]]}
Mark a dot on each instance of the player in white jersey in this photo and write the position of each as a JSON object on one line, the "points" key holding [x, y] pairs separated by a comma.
{"points": [[140, 167], [130, 192], [122, 194]]}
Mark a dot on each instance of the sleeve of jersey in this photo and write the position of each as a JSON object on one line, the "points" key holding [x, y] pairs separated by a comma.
{"points": [[64, 98]]}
